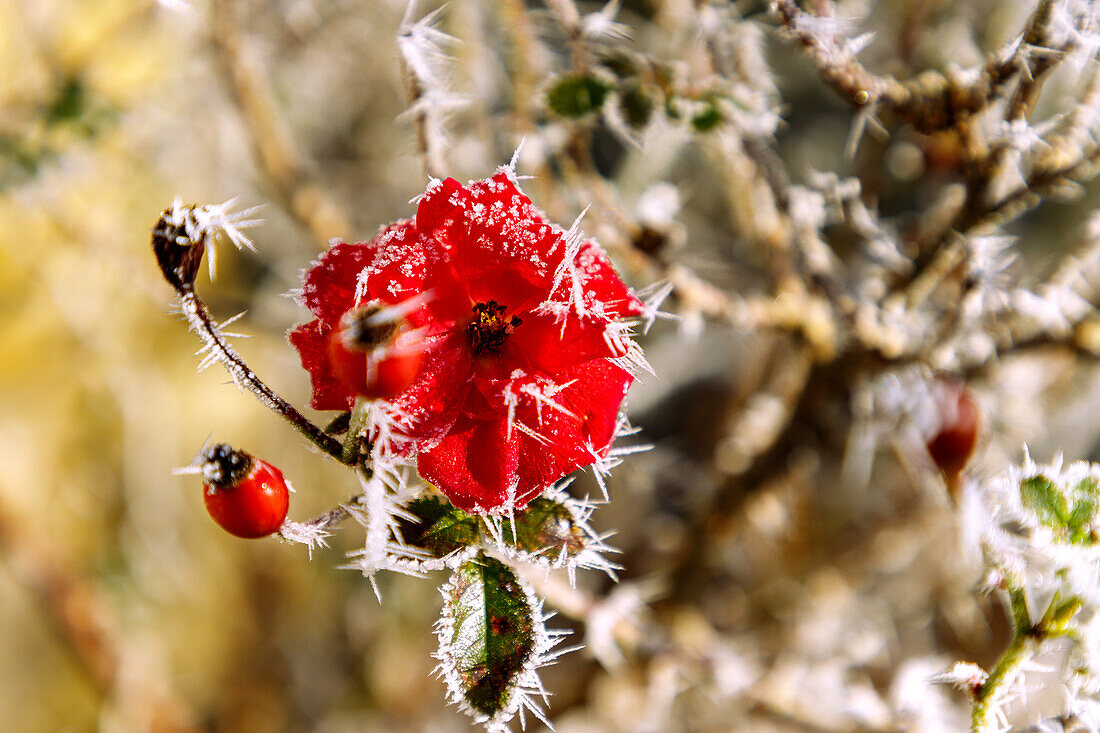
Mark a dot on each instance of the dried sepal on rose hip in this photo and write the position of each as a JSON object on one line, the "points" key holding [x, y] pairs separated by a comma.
{"points": [[956, 435], [246, 496], [523, 333]]}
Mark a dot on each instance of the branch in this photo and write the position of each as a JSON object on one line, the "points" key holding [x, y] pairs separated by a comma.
{"points": [[198, 316]]}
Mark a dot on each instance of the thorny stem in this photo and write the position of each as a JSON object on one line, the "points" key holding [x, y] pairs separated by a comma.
{"points": [[1025, 639], [198, 316]]}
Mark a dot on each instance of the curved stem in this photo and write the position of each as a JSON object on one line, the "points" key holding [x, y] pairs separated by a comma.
{"points": [[198, 316], [1025, 639]]}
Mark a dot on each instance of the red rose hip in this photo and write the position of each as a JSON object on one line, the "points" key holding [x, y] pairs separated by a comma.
{"points": [[953, 444], [245, 496]]}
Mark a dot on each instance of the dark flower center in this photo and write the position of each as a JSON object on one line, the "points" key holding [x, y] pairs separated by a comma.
{"points": [[490, 328], [362, 329]]}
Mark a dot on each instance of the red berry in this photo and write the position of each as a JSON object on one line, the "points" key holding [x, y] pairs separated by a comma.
{"points": [[373, 355], [245, 496], [953, 444]]}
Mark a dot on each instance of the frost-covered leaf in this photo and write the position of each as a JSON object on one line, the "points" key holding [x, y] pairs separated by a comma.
{"points": [[1068, 513], [441, 529], [487, 635], [550, 526], [1040, 495], [553, 530], [577, 96]]}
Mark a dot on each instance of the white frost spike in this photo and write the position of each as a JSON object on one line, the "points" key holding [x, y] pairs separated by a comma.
{"points": [[653, 297], [510, 169], [590, 557], [213, 356], [601, 24], [634, 361], [543, 394], [965, 676], [380, 511], [528, 693], [386, 424], [203, 223], [305, 533], [603, 465], [421, 45], [574, 238]]}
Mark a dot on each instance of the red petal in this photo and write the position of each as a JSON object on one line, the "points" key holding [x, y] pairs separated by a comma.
{"points": [[434, 399], [311, 340], [552, 440], [541, 343], [400, 263], [501, 246], [329, 286], [603, 288], [581, 430], [475, 465]]}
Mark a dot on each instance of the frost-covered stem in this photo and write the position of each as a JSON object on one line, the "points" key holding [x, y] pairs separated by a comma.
{"points": [[1025, 638], [1038, 68], [427, 143], [360, 418], [333, 516], [1074, 135], [838, 67], [1038, 65], [197, 315]]}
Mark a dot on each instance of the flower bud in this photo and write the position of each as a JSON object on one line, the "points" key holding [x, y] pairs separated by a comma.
{"points": [[178, 255], [374, 353]]}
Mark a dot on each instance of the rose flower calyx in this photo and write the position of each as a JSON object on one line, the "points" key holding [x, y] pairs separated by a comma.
{"points": [[522, 351]]}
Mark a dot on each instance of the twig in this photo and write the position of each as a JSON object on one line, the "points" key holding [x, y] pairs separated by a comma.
{"points": [[198, 316]]}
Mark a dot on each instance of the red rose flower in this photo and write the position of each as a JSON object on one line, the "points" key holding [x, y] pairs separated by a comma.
{"points": [[524, 344]]}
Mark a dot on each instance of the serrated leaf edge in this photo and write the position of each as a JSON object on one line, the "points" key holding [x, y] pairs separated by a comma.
{"points": [[528, 693]]}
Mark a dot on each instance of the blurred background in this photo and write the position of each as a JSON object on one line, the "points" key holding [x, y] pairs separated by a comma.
{"points": [[778, 595]]}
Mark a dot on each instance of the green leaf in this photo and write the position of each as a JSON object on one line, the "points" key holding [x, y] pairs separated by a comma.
{"points": [[441, 528], [549, 526], [1040, 495], [709, 117], [577, 96], [1070, 517], [487, 636]]}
